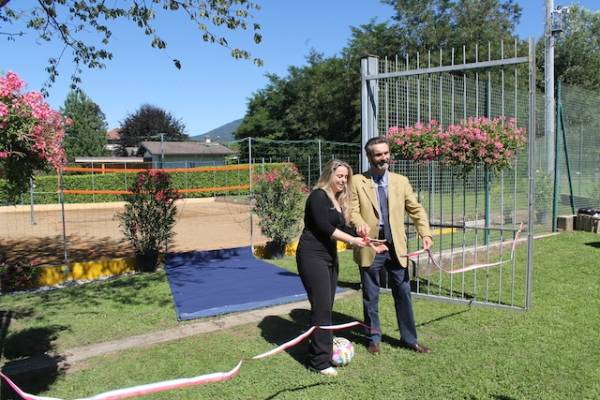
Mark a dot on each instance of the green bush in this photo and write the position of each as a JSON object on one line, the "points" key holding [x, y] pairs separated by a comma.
{"points": [[279, 196], [46, 187], [149, 215]]}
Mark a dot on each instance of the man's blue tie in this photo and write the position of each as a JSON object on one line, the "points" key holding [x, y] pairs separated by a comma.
{"points": [[385, 215]]}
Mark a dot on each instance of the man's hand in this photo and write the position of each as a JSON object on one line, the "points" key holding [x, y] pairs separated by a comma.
{"points": [[427, 242], [363, 230]]}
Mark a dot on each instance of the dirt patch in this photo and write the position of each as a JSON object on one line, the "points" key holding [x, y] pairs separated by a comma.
{"points": [[93, 232]]}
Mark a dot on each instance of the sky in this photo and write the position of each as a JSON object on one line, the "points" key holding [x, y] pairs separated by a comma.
{"points": [[212, 89]]}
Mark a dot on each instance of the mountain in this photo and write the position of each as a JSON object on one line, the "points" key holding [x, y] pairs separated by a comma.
{"points": [[222, 134]]}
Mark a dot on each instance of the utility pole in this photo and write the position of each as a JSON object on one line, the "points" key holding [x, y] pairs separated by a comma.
{"points": [[550, 105]]}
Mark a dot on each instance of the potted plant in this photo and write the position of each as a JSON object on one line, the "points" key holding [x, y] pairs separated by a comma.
{"points": [[543, 195], [474, 141], [149, 215], [279, 196]]}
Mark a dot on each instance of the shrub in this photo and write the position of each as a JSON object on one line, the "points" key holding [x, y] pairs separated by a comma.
{"points": [[149, 215], [279, 197], [16, 276]]}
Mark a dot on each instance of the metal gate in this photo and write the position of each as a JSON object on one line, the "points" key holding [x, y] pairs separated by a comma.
{"points": [[475, 216]]}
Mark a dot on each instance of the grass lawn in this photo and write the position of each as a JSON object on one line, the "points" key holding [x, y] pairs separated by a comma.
{"points": [[549, 352]]}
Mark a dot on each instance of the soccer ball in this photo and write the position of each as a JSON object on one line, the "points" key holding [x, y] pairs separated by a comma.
{"points": [[343, 351]]}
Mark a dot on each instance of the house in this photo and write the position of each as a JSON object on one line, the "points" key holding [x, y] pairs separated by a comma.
{"points": [[113, 138], [113, 144], [111, 162], [184, 154]]}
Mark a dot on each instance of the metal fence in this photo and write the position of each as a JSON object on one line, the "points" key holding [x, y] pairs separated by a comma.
{"points": [[475, 216], [578, 149]]}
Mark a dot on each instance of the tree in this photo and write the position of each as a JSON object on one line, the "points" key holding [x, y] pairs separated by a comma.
{"points": [[83, 27], [147, 123], [313, 101], [577, 51], [322, 98], [87, 134]]}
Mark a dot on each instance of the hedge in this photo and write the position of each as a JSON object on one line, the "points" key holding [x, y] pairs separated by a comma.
{"points": [[46, 186]]}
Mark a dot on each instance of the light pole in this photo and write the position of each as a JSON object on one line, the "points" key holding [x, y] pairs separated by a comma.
{"points": [[549, 117]]}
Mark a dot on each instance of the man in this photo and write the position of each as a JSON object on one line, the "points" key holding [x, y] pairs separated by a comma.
{"points": [[380, 199]]}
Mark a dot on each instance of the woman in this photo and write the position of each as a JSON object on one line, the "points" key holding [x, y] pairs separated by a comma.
{"points": [[325, 222]]}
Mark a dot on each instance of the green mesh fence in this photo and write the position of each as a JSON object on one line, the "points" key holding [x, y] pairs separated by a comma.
{"points": [[580, 145]]}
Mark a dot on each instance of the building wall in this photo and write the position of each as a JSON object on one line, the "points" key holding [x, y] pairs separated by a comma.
{"points": [[188, 161]]}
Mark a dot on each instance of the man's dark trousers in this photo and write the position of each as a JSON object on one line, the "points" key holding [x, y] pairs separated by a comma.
{"points": [[400, 284]]}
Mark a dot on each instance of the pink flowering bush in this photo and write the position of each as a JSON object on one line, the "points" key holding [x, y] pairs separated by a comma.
{"points": [[31, 134], [490, 142], [279, 196], [420, 143], [476, 140], [149, 215]]}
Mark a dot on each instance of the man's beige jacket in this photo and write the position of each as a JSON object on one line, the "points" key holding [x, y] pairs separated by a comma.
{"points": [[401, 201]]}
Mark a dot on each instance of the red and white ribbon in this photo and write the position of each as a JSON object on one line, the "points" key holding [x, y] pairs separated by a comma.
{"points": [[286, 345], [306, 334], [469, 267], [163, 386], [142, 390]]}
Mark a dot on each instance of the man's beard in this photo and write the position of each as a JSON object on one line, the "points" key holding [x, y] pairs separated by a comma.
{"points": [[383, 164]]}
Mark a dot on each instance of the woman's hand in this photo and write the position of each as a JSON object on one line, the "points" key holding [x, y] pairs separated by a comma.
{"points": [[359, 241], [379, 247]]}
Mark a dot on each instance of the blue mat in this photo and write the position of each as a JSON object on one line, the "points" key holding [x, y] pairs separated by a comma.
{"points": [[208, 283]]}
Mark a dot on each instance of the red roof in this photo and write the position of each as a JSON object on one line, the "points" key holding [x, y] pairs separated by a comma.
{"points": [[113, 134]]}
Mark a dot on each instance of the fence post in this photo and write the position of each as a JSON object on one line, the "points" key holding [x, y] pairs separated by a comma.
{"points": [[64, 226], [31, 200], [320, 157], [250, 193], [486, 173], [369, 98], [309, 171], [530, 172], [93, 185]]}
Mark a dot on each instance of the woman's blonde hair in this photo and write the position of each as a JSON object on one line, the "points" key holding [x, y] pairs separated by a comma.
{"points": [[326, 179]]}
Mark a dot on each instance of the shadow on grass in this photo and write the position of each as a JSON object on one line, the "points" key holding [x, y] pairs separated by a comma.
{"points": [[278, 330], [443, 317], [595, 245], [119, 290], [33, 381], [30, 365], [296, 389]]}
